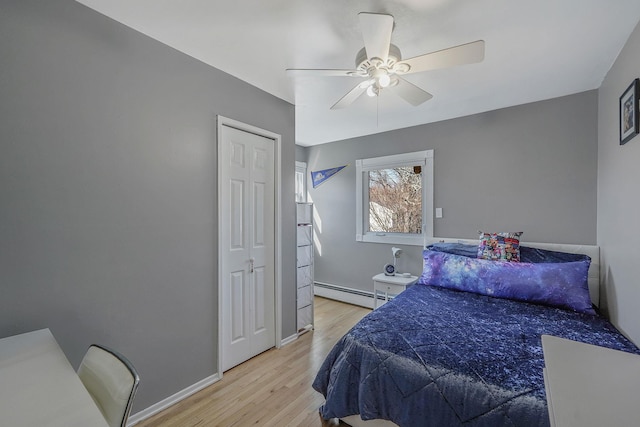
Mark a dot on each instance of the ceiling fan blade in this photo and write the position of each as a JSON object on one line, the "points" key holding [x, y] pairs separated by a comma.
{"points": [[350, 97], [376, 31], [458, 55], [410, 92], [323, 72]]}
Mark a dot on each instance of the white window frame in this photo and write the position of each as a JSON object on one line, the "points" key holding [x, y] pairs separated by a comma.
{"points": [[301, 169], [363, 166]]}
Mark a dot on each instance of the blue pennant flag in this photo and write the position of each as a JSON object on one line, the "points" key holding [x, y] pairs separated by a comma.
{"points": [[319, 177]]}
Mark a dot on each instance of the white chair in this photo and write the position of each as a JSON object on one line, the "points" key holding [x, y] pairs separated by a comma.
{"points": [[112, 382]]}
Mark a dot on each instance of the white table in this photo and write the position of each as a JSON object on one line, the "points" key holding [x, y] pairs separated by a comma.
{"points": [[390, 285], [590, 386], [38, 386]]}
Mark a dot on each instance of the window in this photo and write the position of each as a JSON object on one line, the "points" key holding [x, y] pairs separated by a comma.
{"points": [[394, 200], [301, 182]]}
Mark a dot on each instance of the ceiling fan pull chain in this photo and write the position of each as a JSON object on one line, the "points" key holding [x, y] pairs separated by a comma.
{"points": [[378, 111]]}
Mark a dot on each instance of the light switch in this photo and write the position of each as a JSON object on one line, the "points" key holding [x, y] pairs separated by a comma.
{"points": [[438, 212]]}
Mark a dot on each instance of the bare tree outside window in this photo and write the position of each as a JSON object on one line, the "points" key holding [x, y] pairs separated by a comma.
{"points": [[395, 200]]}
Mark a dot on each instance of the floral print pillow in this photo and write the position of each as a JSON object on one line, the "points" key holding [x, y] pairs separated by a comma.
{"points": [[499, 246]]}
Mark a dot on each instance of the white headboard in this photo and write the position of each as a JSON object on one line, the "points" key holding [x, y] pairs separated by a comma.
{"points": [[592, 251]]}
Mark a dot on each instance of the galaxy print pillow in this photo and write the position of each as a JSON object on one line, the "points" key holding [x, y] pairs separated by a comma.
{"points": [[499, 246], [562, 284], [527, 254]]}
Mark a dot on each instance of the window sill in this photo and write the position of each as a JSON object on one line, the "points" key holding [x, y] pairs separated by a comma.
{"points": [[391, 239]]}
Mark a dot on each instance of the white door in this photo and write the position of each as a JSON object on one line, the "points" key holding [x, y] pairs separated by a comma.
{"points": [[247, 233]]}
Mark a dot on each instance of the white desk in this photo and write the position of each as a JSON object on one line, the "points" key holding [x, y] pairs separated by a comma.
{"points": [[590, 386], [38, 386], [390, 285]]}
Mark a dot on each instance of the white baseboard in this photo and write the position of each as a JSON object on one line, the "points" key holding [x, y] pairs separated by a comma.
{"points": [[339, 293], [289, 340], [183, 394], [172, 400], [343, 294]]}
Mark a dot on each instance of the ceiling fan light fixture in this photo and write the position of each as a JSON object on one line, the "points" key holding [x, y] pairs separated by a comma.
{"points": [[372, 91], [376, 62], [401, 68], [384, 80]]}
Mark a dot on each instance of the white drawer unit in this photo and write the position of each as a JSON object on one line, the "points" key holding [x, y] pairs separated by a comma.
{"points": [[304, 254], [305, 296], [390, 285], [304, 235], [304, 213], [304, 276], [305, 319]]}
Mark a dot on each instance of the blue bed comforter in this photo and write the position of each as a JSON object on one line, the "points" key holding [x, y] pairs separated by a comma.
{"points": [[440, 357]]}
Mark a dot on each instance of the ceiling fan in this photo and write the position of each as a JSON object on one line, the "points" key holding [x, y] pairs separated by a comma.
{"points": [[381, 64]]}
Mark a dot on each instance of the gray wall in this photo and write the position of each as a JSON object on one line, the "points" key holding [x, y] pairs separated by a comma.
{"points": [[618, 196], [108, 212], [530, 168], [301, 154]]}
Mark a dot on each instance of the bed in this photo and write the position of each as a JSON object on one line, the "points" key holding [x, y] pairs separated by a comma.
{"points": [[441, 356]]}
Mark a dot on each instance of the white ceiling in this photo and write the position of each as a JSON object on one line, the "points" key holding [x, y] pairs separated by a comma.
{"points": [[535, 50]]}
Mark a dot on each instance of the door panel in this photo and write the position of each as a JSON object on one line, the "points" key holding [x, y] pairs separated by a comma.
{"points": [[236, 216], [248, 228], [260, 319], [258, 214], [238, 298], [237, 154]]}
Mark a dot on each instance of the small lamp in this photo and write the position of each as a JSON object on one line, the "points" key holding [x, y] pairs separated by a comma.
{"points": [[396, 254]]}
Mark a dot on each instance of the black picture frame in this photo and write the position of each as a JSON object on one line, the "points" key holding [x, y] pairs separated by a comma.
{"points": [[629, 112]]}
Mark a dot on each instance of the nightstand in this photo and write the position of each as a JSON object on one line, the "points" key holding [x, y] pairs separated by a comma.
{"points": [[390, 285]]}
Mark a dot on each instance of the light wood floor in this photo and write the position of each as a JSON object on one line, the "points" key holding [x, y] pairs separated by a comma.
{"points": [[273, 388]]}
